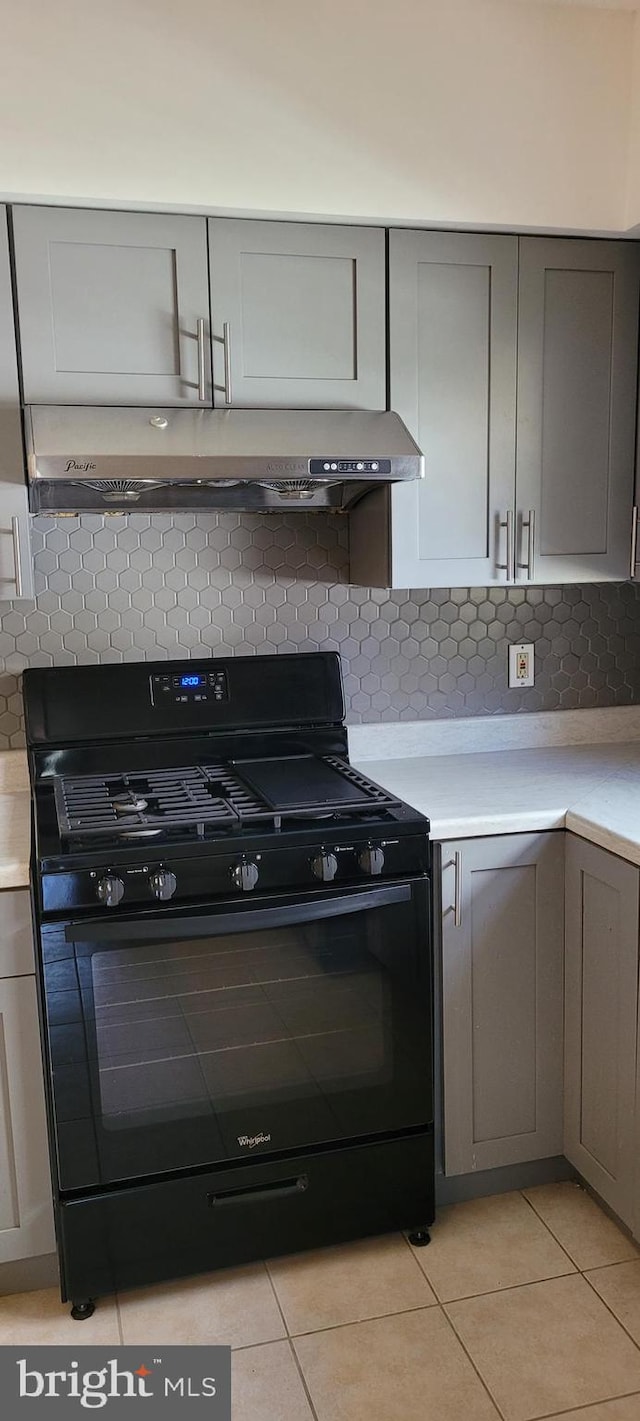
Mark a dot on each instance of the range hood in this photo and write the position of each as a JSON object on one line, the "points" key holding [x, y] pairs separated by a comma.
{"points": [[82, 458]]}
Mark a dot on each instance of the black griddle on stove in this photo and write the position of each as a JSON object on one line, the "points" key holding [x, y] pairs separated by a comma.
{"points": [[302, 782]]}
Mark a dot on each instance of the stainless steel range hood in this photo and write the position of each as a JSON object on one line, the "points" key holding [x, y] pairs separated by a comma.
{"points": [[82, 458]]}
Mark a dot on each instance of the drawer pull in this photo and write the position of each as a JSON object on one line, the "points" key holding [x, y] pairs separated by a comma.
{"points": [[258, 1193]]}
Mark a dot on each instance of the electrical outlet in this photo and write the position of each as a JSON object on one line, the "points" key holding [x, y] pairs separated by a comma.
{"points": [[521, 672]]}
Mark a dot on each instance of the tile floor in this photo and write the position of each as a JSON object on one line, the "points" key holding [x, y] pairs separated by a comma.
{"points": [[526, 1305]]}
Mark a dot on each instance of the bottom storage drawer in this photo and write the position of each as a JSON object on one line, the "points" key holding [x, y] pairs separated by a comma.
{"points": [[216, 1219]]}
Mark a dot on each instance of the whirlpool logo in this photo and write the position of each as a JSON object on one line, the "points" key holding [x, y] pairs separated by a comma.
{"points": [[100, 1379], [249, 1142]]}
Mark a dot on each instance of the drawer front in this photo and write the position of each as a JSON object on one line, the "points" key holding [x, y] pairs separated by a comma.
{"points": [[217, 1219], [16, 933]]}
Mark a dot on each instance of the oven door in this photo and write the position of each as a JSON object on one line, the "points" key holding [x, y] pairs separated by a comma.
{"points": [[191, 1038]]}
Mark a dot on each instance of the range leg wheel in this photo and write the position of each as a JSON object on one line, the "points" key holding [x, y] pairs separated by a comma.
{"points": [[420, 1238], [81, 1311]]}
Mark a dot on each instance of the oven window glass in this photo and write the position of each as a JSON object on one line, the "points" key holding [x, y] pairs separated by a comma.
{"points": [[216, 1025]]}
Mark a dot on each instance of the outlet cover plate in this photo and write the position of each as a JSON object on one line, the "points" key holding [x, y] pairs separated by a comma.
{"points": [[521, 669]]}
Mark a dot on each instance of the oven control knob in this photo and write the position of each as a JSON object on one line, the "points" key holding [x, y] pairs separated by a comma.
{"points": [[163, 884], [325, 866], [245, 875], [371, 860], [110, 891]]}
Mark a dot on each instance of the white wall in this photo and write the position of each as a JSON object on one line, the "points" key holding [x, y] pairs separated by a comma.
{"points": [[462, 111], [632, 215]]}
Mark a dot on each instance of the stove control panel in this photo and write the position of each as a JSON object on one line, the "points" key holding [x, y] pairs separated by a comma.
{"points": [[189, 688], [211, 873]]}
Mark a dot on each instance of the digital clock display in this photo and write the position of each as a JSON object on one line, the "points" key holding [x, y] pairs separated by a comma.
{"points": [[188, 681]]}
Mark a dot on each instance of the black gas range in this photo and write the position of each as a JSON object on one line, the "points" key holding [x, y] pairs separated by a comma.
{"points": [[235, 969]]}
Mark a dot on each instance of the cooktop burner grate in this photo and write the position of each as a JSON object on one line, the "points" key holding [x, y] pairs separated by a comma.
{"points": [[151, 802], [202, 798]]}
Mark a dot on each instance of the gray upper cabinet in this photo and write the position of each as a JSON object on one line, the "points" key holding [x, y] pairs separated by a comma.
{"points": [[113, 307], [577, 381], [452, 330], [481, 327], [297, 314], [502, 973], [601, 1022], [16, 565]]}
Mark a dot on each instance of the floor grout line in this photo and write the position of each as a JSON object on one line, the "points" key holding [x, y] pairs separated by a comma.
{"points": [[360, 1321], [303, 1379], [550, 1230], [610, 1309], [476, 1369], [250, 1346], [289, 1341], [274, 1290], [590, 1406]]}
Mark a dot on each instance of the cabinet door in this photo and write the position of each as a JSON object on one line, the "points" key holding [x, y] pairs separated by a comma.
{"points": [[452, 328], [502, 948], [297, 314], [601, 981], [26, 1211], [16, 565], [16, 933], [109, 305], [577, 381]]}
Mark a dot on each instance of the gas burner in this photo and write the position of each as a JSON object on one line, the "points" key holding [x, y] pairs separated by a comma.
{"points": [[129, 803]]}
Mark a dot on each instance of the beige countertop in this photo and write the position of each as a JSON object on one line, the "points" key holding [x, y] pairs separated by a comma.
{"points": [[593, 790], [15, 820]]}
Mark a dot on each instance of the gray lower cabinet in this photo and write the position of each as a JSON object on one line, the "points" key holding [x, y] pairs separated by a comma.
{"points": [[577, 383], [297, 314], [26, 1210], [601, 1022], [502, 987], [113, 307], [16, 566]]}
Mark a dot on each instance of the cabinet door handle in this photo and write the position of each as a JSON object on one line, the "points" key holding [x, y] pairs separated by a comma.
{"points": [[634, 541], [226, 345], [508, 522], [202, 364], [530, 523], [17, 555], [17, 580], [457, 891]]}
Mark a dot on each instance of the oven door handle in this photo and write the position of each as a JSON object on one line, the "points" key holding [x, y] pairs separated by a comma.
{"points": [[240, 920]]}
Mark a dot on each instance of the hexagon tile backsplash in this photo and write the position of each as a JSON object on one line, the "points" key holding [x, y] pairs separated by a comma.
{"points": [[124, 589]]}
